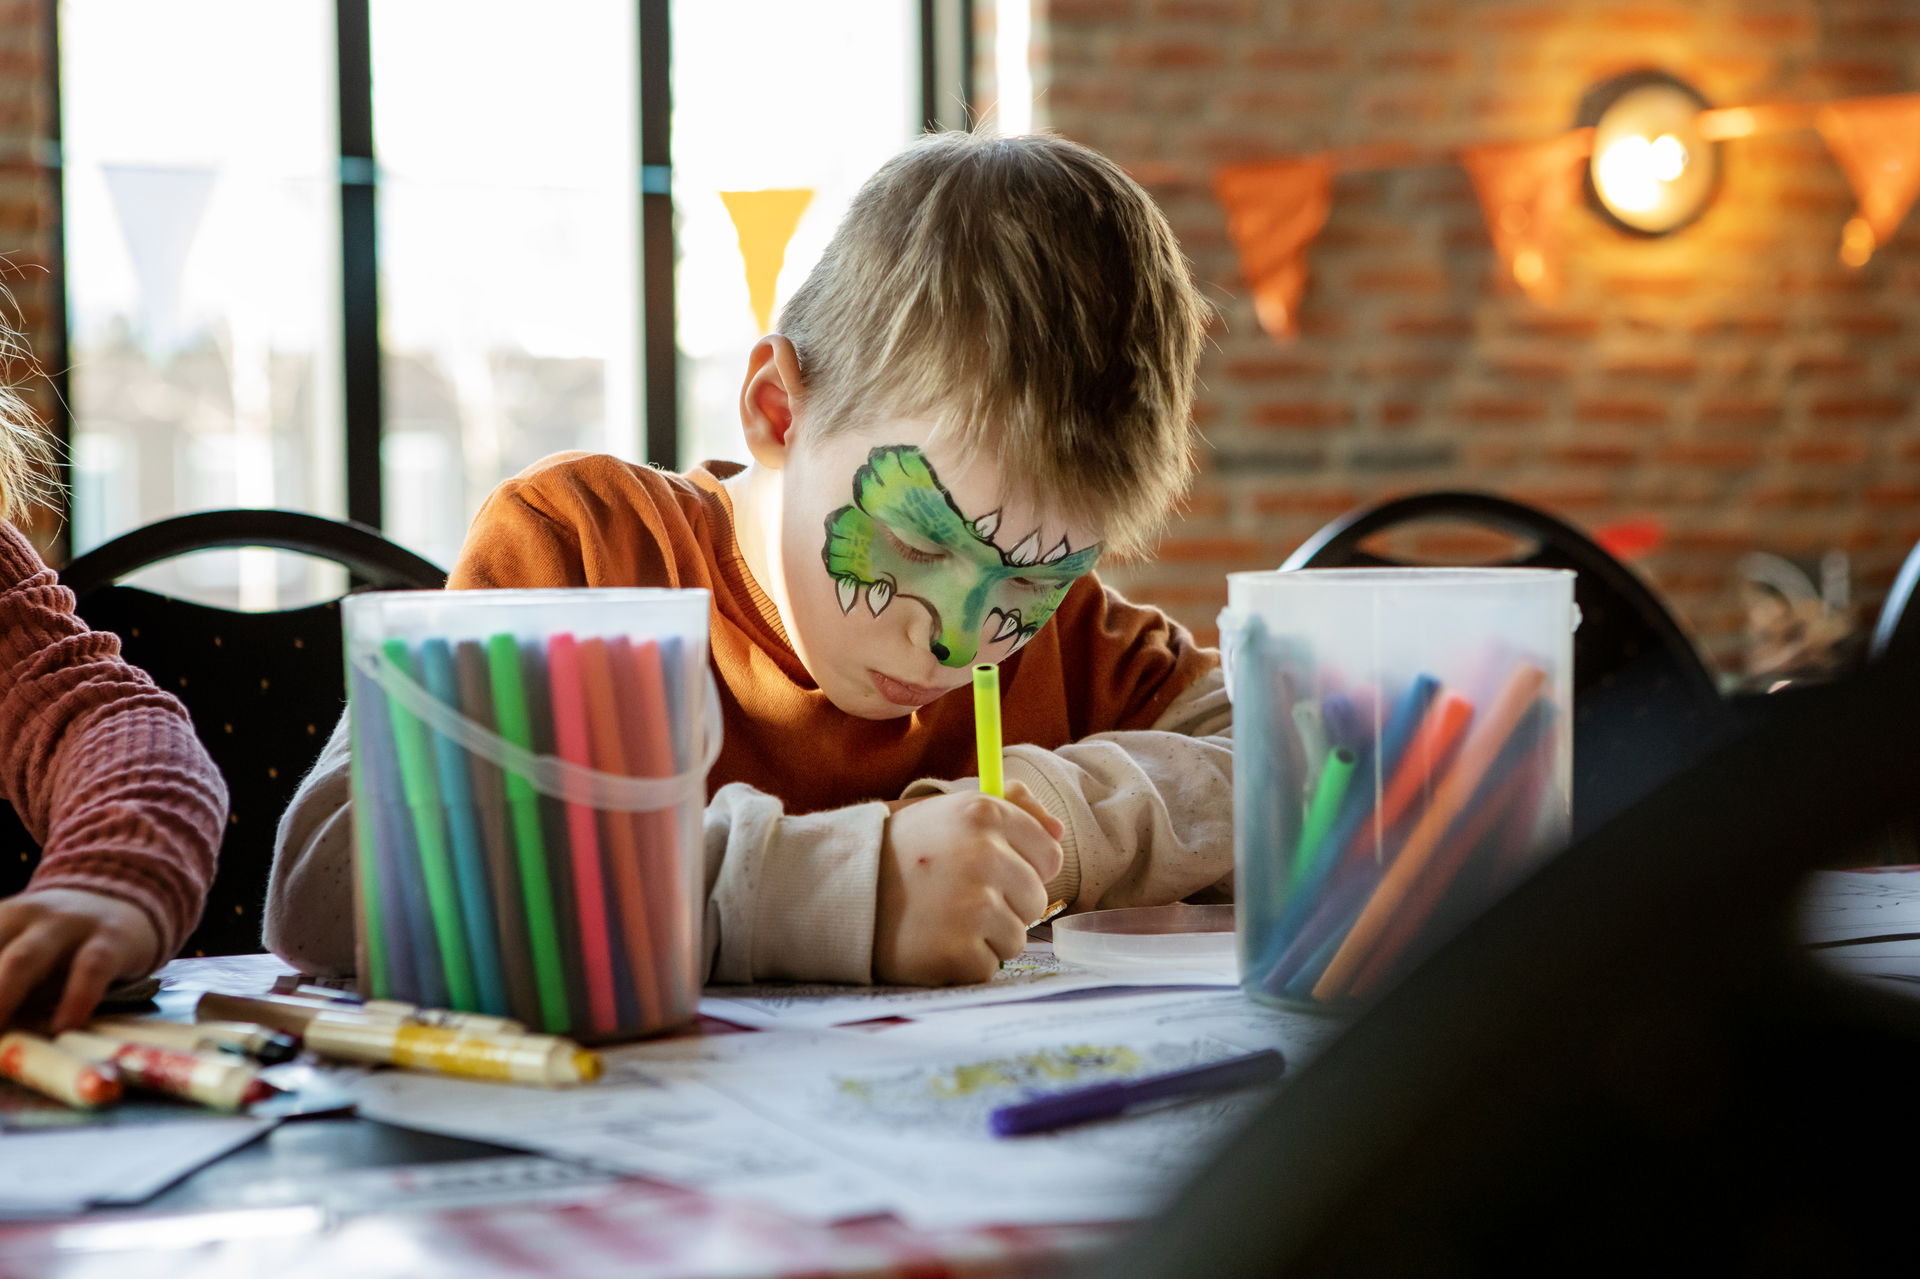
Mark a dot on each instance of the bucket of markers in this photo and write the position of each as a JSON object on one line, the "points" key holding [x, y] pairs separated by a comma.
{"points": [[1402, 756], [529, 773]]}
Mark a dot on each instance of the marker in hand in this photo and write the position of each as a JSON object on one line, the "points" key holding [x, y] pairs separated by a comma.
{"points": [[986, 728]]}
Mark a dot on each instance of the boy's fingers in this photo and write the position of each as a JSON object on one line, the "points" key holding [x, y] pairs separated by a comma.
{"points": [[1021, 797], [27, 959], [94, 966], [1023, 899], [1027, 837]]}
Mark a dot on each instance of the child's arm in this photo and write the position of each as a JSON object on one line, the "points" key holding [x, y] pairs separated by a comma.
{"points": [[1147, 814], [107, 774]]}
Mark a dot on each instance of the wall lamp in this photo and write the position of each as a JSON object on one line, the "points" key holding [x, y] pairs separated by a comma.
{"points": [[1653, 171]]}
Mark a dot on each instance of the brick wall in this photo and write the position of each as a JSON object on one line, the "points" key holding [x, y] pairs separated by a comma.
{"points": [[1733, 382], [26, 204]]}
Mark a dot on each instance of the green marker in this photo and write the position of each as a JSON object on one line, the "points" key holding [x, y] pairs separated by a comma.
{"points": [[986, 728], [1328, 796], [422, 790], [530, 844]]}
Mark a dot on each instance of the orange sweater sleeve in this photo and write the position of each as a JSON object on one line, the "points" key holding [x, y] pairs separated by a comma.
{"points": [[1123, 663], [573, 519], [102, 765]]}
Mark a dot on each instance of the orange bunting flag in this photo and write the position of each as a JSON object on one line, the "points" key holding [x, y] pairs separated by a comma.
{"points": [[765, 222], [1274, 209], [1524, 188], [1877, 143]]}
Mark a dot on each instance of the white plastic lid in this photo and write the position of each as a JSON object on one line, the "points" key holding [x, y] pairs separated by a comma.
{"points": [[1183, 937]]}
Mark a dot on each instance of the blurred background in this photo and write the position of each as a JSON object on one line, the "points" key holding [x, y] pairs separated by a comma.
{"points": [[366, 258]]}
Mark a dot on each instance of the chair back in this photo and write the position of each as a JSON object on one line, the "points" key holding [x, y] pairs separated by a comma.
{"points": [[1644, 701], [264, 689], [1898, 629]]}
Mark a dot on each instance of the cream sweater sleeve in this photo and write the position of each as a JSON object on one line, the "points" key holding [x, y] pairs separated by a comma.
{"points": [[1148, 813], [786, 897]]}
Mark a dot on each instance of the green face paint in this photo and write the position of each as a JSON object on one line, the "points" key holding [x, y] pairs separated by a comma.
{"points": [[903, 538]]}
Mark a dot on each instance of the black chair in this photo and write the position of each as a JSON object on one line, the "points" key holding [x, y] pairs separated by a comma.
{"points": [[1644, 701], [264, 689], [1628, 1065]]}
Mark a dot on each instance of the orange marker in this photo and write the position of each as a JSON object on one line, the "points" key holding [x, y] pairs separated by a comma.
{"points": [[218, 1081], [1476, 756], [1440, 728], [31, 1061], [625, 854]]}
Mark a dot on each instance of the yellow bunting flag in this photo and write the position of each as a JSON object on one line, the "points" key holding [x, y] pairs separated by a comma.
{"points": [[1274, 209], [1877, 143], [765, 221], [1524, 188]]}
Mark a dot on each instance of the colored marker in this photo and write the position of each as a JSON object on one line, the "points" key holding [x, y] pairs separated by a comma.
{"points": [[1477, 755], [1335, 777], [220, 1082], [265, 1045], [421, 788], [68, 1078], [575, 744], [463, 832], [986, 728], [625, 859], [530, 847], [645, 685], [1104, 1101], [496, 838], [547, 1060]]}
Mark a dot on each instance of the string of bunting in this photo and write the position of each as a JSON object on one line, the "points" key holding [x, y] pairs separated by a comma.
{"points": [[1276, 208]]}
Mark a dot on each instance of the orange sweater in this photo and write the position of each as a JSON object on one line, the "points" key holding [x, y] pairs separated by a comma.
{"points": [[102, 766], [576, 519]]}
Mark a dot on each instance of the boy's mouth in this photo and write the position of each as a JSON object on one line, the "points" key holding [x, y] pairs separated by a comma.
{"points": [[901, 693]]}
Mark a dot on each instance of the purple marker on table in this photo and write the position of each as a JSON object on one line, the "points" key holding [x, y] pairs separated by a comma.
{"points": [[1103, 1101]]}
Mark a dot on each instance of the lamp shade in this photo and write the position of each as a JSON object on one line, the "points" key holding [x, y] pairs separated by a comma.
{"points": [[1652, 169]]}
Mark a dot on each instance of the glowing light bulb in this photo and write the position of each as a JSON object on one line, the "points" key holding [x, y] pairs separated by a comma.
{"points": [[1627, 175], [1668, 157]]}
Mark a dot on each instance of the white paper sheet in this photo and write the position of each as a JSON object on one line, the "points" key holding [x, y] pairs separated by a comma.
{"points": [[1037, 974], [831, 1124], [914, 1106], [1845, 905], [652, 1114], [65, 1171]]}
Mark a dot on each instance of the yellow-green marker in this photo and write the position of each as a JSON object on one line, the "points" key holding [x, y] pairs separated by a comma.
{"points": [[986, 727]]}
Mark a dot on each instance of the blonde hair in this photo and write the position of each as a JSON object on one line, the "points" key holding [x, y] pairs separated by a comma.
{"points": [[26, 456], [1028, 297]]}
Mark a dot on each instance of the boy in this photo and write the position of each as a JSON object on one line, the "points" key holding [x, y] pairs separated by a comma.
{"points": [[983, 386]]}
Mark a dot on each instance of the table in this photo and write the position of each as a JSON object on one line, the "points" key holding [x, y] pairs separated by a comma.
{"points": [[341, 1195]]}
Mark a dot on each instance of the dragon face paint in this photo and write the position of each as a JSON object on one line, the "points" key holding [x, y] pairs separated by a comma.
{"points": [[904, 543]]}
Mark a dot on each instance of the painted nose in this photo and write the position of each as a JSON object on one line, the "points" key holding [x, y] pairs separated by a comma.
{"points": [[939, 651]]}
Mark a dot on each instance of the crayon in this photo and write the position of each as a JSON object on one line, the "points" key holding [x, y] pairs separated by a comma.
{"points": [[217, 1081], [70, 1079], [463, 836], [421, 787], [1476, 756], [986, 729], [530, 853], [263, 1044], [496, 838]]}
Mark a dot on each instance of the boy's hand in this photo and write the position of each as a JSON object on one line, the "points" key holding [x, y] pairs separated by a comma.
{"points": [[961, 878], [76, 941]]}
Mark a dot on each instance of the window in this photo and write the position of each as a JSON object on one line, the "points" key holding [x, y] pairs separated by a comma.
{"points": [[219, 299]]}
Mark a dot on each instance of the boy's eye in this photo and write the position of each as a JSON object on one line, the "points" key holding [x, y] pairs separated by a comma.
{"points": [[907, 551]]}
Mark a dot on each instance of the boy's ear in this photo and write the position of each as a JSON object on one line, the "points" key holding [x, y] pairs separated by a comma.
{"points": [[770, 399]]}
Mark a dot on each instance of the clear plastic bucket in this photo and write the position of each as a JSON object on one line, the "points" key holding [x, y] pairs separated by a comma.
{"points": [[1402, 754], [528, 779]]}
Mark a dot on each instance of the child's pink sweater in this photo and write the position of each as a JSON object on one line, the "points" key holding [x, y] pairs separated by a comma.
{"points": [[102, 765]]}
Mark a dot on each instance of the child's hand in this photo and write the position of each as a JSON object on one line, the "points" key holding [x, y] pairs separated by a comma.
{"points": [[73, 939], [961, 878]]}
